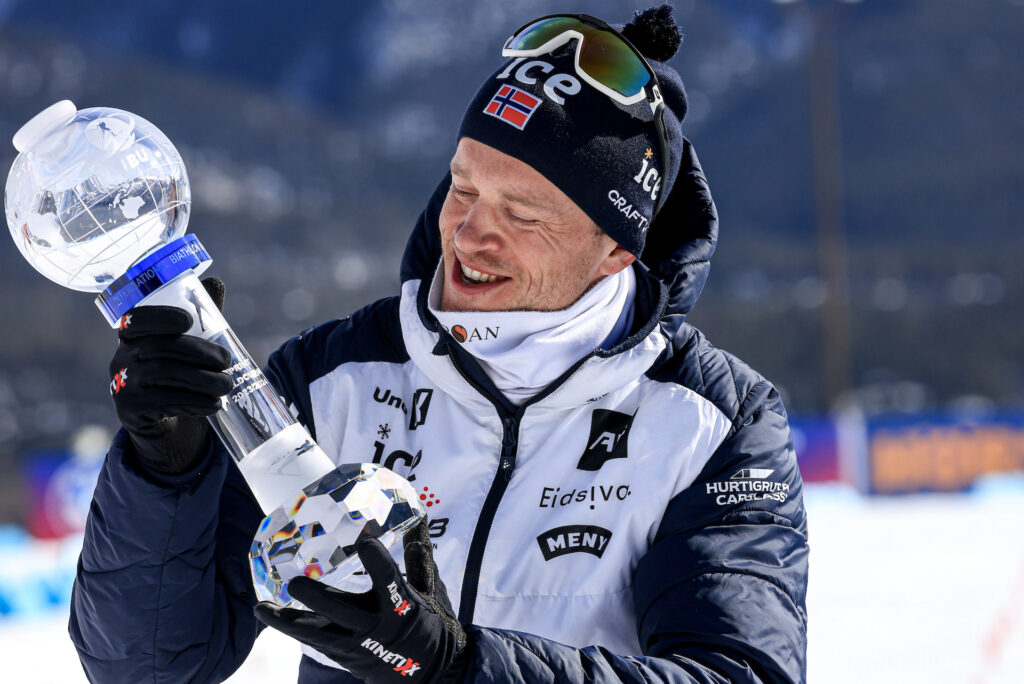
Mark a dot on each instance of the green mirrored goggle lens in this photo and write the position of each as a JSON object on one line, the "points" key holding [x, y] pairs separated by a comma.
{"points": [[608, 60], [602, 55], [540, 32]]}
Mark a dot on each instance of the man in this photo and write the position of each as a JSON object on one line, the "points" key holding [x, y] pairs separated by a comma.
{"points": [[610, 497]]}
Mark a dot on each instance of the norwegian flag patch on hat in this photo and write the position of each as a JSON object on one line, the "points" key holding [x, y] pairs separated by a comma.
{"points": [[512, 105]]}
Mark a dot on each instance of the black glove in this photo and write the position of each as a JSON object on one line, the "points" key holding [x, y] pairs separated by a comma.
{"points": [[164, 382], [399, 629]]}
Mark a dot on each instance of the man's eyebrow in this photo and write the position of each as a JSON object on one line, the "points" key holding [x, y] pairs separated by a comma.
{"points": [[524, 200]]}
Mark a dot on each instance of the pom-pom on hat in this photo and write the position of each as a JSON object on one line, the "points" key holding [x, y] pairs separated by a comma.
{"points": [[604, 155]]}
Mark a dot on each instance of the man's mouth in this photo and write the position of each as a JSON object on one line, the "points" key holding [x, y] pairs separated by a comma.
{"points": [[471, 276]]}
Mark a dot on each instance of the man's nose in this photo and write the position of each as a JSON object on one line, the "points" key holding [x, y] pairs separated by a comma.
{"points": [[478, 232]]}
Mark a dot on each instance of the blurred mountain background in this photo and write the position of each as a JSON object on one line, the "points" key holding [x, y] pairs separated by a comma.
{"points": [[315, 132]]}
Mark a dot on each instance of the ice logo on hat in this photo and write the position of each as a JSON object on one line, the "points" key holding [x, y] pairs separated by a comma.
{"points": [[512, 105]]}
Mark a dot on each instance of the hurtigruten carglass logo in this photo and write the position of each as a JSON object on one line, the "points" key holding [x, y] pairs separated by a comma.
{"points": [[749, 484]]}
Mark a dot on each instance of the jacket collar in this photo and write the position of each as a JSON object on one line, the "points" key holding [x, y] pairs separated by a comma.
{"points": [[458, 373]]}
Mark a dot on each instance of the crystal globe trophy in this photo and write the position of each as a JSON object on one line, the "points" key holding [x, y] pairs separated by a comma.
{"points": [[98, 201]]}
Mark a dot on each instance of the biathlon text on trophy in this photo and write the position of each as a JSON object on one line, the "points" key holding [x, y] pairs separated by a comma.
{"points": [[98, 200]]}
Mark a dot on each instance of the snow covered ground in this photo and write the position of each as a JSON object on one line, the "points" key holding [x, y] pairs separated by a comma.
{"points": [[914, 589]]}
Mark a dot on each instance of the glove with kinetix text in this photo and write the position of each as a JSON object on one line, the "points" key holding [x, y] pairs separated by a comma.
{"points": [[165, 382], [403, 629]]}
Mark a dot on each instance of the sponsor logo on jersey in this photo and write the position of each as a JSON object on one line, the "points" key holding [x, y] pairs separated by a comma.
{"points": [[609, 432], [392, 459], [437, 527], [386, 397], [429, 498], [554, 497], [420, 404], [567, 539], [404, 666], [752, 474], [462, 335], [748, 484]]}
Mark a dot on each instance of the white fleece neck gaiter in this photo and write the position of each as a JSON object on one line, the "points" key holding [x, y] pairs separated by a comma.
{"points": [[524, 351]]}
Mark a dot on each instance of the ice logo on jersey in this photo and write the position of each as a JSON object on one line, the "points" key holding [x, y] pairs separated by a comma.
{"points": [[609, 432]]}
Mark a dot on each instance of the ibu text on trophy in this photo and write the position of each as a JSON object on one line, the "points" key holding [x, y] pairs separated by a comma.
{"points": [[98, 201]]}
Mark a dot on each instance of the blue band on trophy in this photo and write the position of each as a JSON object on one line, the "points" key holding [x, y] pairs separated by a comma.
{"points": [[150, 274]]}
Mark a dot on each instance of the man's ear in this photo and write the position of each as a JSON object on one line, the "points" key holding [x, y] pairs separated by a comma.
{"points": [[616, 260]]}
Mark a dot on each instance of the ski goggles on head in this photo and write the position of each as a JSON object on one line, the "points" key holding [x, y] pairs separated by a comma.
{"points": [[604, 59]]}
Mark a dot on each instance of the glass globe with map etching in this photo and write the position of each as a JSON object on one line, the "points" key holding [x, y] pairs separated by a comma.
{"points": [[91, 192]]}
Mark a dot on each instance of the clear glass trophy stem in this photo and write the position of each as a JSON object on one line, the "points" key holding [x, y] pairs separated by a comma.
{"points": [[315, 511], [275, 453]]}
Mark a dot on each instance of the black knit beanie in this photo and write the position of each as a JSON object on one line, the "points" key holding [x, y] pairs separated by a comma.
{"points": [[603, 155]]}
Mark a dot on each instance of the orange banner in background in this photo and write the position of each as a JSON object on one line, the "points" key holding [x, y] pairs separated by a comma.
{"points": [[942, 457]]}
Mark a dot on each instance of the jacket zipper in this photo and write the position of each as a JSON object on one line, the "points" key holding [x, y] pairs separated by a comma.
{"points": [[506, 466], [502, 476]]}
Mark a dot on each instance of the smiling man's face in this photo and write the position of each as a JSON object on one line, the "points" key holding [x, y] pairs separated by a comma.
{"points": [[512, 241]]}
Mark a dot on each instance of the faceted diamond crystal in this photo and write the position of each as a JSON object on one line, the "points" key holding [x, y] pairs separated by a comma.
{"points": [[315, 535]]}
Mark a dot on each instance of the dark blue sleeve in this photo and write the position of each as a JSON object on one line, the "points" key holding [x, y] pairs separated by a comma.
{"points": [[720, 594], [163, 591]]}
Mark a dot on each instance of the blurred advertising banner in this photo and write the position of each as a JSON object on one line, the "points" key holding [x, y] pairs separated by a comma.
{"points": [[817, 448], [939, 453], [60, 483], [60, 488], [908, 454]]}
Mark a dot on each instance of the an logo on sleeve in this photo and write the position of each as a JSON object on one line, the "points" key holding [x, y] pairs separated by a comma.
{"points": [[560, 541], [609, 432]]}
